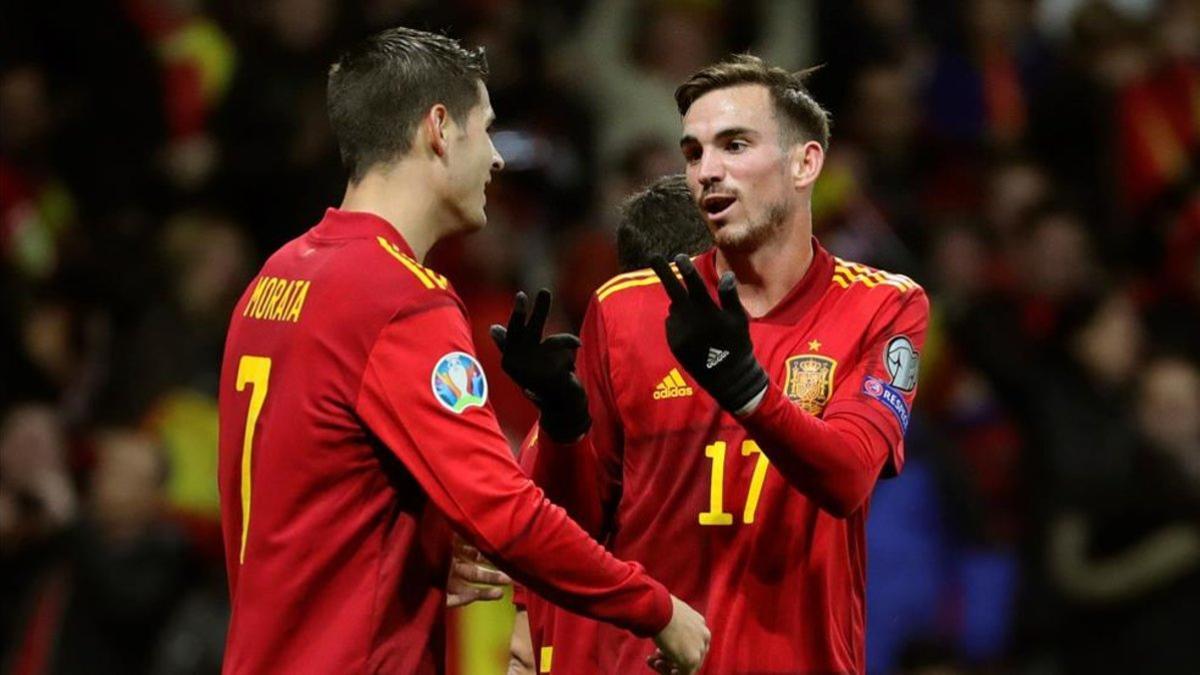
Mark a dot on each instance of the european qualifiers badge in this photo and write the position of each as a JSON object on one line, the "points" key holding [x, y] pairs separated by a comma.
{"points": [[458, 382], [902, 362], [809, 381]]}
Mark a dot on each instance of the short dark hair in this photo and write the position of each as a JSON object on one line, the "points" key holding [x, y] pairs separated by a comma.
{"points": [[795, 108], [661, 220], [380, 88]]}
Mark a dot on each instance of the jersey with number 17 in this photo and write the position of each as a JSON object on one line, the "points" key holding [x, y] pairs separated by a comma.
{"points": [[687, 490]]}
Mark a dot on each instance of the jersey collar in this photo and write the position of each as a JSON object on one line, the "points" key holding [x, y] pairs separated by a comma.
{"points": [[339, 224], [803, 295]]}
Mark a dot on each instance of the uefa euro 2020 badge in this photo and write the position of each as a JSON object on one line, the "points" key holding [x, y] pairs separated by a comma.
{"points": [[458, 382]]}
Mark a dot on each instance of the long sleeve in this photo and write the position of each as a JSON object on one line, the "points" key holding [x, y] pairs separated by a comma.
{"points": [[584, 477], [424, 395], [836, 459]]}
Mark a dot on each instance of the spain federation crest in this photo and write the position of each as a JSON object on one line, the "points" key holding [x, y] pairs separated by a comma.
{"points": [[809, 381], [458, 382]]}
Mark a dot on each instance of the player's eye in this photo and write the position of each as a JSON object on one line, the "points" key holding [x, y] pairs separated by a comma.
{"points": [[692, 155], [737, 145]]}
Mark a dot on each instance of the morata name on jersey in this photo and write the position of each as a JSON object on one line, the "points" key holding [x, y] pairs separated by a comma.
{"points": [[277, 299]]}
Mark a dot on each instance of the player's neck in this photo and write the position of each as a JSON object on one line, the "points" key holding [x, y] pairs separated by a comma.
{"points": [[767, 273], [405, 201]]}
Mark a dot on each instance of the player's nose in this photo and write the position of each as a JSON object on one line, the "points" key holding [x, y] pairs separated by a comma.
{"points": [[497, 159], [711, 168]]}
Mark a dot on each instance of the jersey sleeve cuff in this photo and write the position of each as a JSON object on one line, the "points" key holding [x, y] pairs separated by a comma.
{"points": [[658, 613], [764, 405]]}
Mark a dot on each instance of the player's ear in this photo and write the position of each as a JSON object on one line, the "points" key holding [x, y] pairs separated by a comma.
{"points": [[806, 160], [435, 126]]}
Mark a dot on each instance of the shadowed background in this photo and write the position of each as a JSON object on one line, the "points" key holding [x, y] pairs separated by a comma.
{"points": [[1033, 164]]}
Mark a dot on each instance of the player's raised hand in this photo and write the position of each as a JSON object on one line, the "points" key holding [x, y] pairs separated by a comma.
{"points": [[472, 577], [544, 368], [711, 341], [683, 644]]}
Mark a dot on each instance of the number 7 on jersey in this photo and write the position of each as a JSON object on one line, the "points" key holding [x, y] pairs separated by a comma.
{"points": [[256, 371]]}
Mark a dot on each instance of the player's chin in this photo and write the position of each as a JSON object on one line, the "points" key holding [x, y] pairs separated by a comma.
{"points": [[480, 212], [474, 217], [732, 236], [476, 221]]}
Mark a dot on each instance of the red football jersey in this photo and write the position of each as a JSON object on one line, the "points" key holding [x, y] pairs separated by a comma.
{"points": [[577, 634], [758, 522], [354, 427]]}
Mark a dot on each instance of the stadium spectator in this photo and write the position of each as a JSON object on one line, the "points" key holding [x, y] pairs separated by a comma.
{"points": [[1126, 555]]}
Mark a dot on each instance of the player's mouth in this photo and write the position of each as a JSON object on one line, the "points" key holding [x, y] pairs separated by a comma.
{"points": [[717, 206]]}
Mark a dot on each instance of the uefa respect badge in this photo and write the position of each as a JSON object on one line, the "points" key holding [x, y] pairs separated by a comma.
{"points": [[890, 397], [458, 382]]}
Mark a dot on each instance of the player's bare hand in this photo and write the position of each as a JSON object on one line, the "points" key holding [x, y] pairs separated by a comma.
{"points": [[472, 577], [659, 663], [683, 644]]}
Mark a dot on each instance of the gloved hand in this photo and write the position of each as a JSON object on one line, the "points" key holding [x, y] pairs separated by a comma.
{"points": [[712, 343], [545, 369]]}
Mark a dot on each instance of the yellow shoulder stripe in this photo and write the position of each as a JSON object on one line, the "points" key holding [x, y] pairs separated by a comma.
{"points": [[632, 280], [847, 273], [427, 276], [643, 281], [639, 274]]}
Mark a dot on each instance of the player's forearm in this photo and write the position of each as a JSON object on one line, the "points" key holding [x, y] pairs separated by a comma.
{"points": [[569, 473], [462, 462], [834, 463], [466, 468], [539, 546], [493, 505]]}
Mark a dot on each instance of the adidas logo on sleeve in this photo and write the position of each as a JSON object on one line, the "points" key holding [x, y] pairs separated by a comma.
{"points": [[672, 386]]}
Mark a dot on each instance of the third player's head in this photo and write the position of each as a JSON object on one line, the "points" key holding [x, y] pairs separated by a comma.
{"points": [[407, 95], [661, 220], [754, 141]]}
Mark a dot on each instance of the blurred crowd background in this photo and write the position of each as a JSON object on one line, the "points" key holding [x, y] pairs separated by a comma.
{"points": [[1033, 164]]}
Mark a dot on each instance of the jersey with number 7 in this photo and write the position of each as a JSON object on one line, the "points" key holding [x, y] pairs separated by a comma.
{"points": [[355, 427], [758, 522]]}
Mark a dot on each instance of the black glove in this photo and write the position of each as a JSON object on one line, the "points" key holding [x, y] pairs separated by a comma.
{"points": [[712, 343], [545, 369]]}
